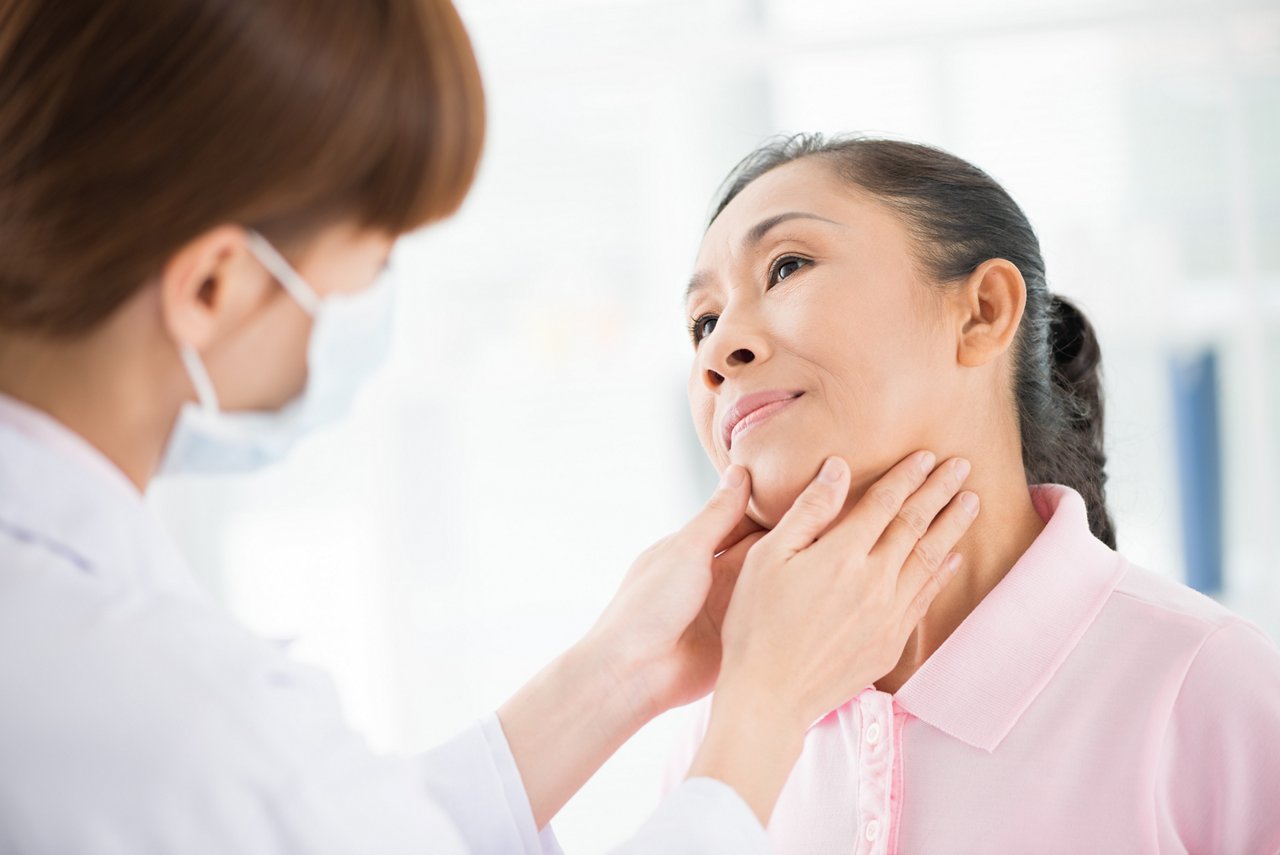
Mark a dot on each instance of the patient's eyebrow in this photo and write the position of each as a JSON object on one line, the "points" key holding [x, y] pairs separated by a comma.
{"points": [[697, 282], [762, 228], [702, 279]]}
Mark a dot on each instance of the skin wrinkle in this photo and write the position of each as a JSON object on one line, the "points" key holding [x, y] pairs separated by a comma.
{"points": [[888, 362]]}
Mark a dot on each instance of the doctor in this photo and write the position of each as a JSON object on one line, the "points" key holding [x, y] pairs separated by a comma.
{"points": [[196, 199]]}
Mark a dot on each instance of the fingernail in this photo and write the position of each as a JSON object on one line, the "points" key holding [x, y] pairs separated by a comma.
{"points": [[733, 476], [832, 470], [970, 502], [953, 563], [961, 468], [926, 461]]}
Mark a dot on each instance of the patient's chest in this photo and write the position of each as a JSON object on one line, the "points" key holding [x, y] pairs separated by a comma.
{"points": [[841, 795], [874, 779]]}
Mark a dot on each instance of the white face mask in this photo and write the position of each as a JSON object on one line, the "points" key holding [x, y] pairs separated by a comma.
{"points": [[350, 337]]}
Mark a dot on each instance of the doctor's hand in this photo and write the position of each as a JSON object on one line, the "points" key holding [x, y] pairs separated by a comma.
{"points": [[656, 646], [661, 632], [821, 611]]}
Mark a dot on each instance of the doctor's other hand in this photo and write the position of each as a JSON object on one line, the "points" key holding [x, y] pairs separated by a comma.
{"points": [[821, 611], [661, 631], [657, 645]]}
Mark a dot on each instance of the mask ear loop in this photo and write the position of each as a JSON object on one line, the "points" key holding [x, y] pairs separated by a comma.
{"points": [[288, 278], [205, 393], [283, 271]]}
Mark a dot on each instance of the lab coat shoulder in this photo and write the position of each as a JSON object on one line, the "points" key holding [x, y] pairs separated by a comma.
{"points": [[152, 720]]}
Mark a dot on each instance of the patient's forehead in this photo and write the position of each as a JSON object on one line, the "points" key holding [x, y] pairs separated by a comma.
{"points": [[809, 185], [803, 183]]}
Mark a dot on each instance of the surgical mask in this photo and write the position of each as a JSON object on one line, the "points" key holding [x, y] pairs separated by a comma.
{"points": [[350, 336]]}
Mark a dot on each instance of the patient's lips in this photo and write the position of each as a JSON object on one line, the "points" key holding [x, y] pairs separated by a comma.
{"points": [[750, 410]]}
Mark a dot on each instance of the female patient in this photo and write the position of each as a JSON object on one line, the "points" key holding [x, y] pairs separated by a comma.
{"points": [[862, 298]]}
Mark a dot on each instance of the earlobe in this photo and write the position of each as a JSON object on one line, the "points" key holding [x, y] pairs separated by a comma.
{"points": [[993, 298]]}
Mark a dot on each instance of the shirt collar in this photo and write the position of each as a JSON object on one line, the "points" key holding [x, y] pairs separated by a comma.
{"points": [[986, 674], [60, 491], [44, 430]]}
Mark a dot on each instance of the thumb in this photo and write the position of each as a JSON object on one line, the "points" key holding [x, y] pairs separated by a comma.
{"points": [[814, 509], [722, 513], [725, 571]]}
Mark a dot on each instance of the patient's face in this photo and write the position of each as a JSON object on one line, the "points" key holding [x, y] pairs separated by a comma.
{"points": [[830, 318]]}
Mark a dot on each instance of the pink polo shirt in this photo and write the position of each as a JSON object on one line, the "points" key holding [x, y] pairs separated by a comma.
{"points": [[1086, 705]]}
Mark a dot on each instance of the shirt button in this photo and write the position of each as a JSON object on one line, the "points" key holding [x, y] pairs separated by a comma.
{"points": [[873, 831], [873, 732]]}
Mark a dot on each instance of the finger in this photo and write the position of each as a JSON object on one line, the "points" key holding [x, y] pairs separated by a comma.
{"points": [[725, 571], [722, 513], [922, 598], [813, 510], [858, 532], [928, 558], [745, 528], [735, 555], [919, 510]]}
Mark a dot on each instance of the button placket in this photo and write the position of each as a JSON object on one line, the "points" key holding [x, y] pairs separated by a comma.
{"points": [[875, 785]]}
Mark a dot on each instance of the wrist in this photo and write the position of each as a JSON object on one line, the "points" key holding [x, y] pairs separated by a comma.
{"points": [[621, 680], [752, 743], [565, 722], [760, 715], [759, 703]]}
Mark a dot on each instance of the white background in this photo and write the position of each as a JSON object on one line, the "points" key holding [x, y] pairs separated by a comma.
{"points": [[530, 435]]}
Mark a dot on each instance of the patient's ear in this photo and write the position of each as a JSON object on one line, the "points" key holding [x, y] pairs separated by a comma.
{"points": [[990, 303]]}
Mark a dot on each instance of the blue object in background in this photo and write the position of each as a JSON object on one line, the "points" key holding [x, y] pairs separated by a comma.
{"points": [[1195, 407]]}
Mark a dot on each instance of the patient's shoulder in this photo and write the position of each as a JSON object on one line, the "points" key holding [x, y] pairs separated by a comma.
{"points": [[1170, 600], [1191, 630]]}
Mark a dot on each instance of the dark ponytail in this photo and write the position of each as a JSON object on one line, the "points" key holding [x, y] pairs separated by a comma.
{"points": [[959, 218], [1077, 376]]}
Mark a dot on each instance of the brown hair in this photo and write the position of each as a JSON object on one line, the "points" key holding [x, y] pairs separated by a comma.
{"points": [[128, 129]]}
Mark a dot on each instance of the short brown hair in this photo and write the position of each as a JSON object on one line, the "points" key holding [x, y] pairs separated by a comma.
{"points": [[127, 128]]}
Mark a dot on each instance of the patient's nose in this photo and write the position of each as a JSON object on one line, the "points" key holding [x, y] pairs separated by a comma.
{"points": [[736, 358]]}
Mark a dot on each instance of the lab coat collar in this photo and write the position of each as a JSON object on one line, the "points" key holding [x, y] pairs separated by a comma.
{"points": [[976, 686], [58, 490]]}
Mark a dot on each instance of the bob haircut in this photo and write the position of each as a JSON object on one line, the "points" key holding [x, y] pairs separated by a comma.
{"points": [[127, 129]]}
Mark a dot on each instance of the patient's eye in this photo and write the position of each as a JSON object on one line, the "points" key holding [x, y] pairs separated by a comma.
{"points": [[702, 327], [784, 267]]}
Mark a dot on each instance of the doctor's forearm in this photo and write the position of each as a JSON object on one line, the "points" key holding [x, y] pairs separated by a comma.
{"points": [[568, 720]]}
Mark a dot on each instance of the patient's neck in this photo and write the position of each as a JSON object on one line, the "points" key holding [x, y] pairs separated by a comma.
{"points": [[1006, 526]]}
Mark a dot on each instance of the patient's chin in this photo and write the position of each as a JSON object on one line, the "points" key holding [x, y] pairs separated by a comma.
{"points": [[778, 479], [766, 513], [773, 493]]}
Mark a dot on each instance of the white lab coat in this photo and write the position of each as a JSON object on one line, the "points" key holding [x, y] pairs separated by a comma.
{"points": [[137, 717]]}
